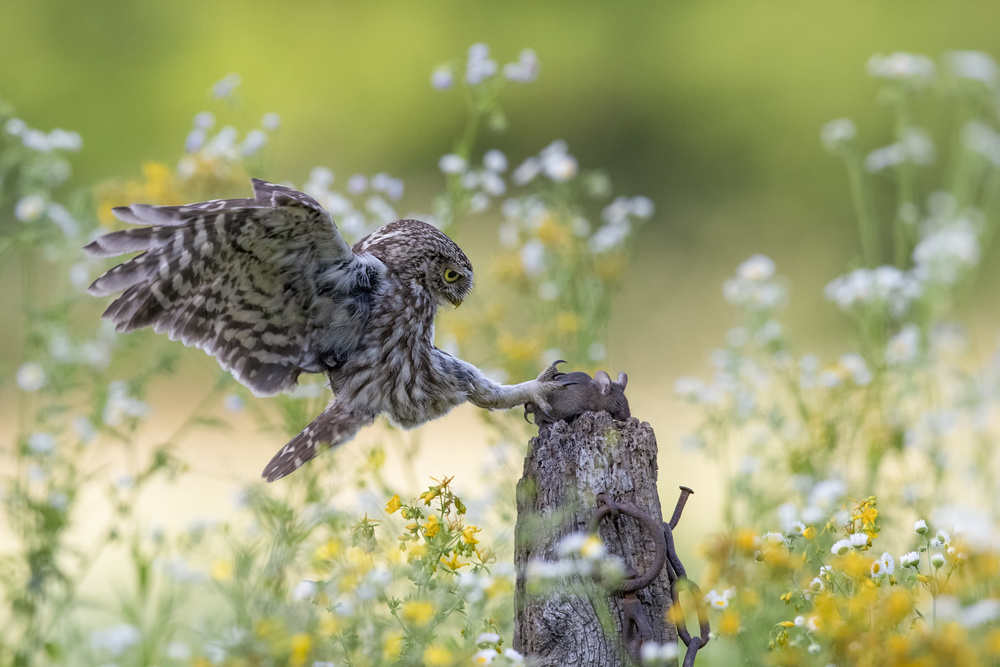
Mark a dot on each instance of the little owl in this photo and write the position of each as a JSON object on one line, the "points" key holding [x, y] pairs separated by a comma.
{"points": [[270, 288]]}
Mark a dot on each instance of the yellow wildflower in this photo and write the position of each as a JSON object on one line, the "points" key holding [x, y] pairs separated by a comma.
{"points": [[469, 533], [993, 642], [610, 267], [327, 551], [429, 495], [567, 323], [551, 233], [453, 563], [392, 647], [330, 625], [729, 624], [222, 569], [376, 458], [393, 504], [809, 533], [744, 540], [415, 551], [418, 612], [518, 349], [787, 624], [301, 645], [437, 656], [433, 526]]}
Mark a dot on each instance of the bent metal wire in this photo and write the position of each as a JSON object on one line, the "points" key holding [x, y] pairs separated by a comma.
{"points": [[637, 628]]}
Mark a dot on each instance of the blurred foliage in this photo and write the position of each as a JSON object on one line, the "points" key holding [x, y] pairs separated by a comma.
{"points": [[713, 108]]}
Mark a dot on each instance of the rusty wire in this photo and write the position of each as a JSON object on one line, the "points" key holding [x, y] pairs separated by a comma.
{"points": [[636, 628]]}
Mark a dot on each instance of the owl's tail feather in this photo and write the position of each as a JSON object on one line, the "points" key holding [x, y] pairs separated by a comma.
{"points": [[332, 428]]}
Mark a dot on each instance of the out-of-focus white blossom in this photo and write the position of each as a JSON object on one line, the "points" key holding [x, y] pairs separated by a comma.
{"points": [[271, 122], [883, 285], [65, 140], [253, 143], [654, 654], [195, 140], [42, 443], [304, 590], [526, 171], [121, 405], [233, 403], [609, 237], [495, 160], [452, 164], [982, 139], [442, 78], [479, 66], [753, 285], [492, 183], [116, 639], [855, 365], [31, 376], [904, 346], [204, 120], [557, 163], [916, 69], [944, 255], [533, 257], [320, 178], [357, 184], [178, 650], [719, 601], [30, 208], [837, 135], [226, 87], [974, 65], [525, 70], [915, 146]]}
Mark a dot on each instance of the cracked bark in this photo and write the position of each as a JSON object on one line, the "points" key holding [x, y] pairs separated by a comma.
{"points": [[567, 465]]}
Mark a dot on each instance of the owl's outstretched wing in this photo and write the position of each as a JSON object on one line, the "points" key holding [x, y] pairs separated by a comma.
{"points": [[266, 285], [333, 427]]}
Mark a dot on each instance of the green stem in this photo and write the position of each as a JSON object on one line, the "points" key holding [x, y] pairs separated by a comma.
{"points": [[867, 224], [905, 184]]}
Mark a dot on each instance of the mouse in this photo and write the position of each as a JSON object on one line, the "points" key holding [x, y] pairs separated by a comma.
{"points": [[581, 393]]}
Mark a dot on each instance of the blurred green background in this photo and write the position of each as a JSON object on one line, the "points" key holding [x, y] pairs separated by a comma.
{"points": [[711, 109]]}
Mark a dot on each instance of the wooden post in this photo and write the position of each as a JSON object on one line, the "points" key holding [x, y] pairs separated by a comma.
{"points": [[567, 466]]}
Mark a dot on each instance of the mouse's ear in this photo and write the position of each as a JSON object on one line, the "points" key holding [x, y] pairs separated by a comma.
{"points": [[603, 381], [622, 379]]}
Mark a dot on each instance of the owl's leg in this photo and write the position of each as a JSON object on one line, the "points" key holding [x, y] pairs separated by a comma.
{"points": [[334, 426], [493, 396]]}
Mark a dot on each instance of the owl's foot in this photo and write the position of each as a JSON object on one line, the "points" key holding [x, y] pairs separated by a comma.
{"points": [[550, 373], [547, 382]]}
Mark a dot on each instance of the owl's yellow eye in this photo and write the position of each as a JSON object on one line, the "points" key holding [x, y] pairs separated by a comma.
{"points": [[450, 275]]}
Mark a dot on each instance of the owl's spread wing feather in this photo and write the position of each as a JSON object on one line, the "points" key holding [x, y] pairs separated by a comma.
{"points": [[266, 285], [334, 426]]}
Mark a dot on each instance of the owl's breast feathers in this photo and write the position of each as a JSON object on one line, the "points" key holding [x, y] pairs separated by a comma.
{"points": [[396, 370]]}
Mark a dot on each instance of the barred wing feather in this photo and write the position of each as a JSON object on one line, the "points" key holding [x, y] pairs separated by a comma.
{"points": [[266, 285]]}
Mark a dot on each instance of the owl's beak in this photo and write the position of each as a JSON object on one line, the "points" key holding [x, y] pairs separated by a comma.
{"points": [[456, 302]]}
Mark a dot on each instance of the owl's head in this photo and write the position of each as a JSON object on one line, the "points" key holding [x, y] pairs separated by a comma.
{"points": [[416, 250]]}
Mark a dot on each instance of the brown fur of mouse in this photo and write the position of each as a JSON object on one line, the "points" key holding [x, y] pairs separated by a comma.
{"points": [[581, 393]]}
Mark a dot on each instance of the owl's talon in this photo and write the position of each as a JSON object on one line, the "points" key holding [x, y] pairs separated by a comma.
{"points": [[550, 373]]}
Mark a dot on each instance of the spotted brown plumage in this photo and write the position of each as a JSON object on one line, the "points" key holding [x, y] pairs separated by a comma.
{"points": [[270, 289]]}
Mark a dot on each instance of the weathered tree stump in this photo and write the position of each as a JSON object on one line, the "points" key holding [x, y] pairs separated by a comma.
{"points": [[567, 466]]}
